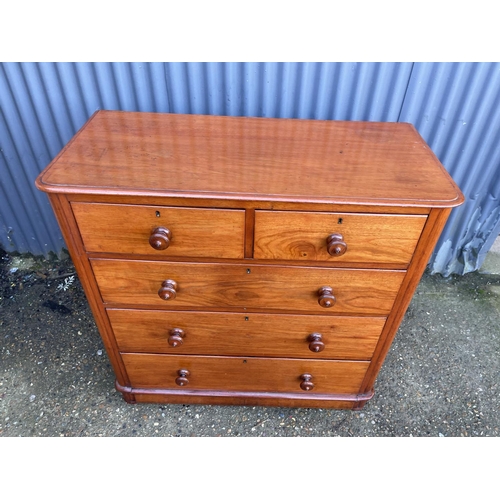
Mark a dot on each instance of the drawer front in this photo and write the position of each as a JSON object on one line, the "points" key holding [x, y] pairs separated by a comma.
{"points": [[353, 238], [133, 229], [241, 287], [234, 334], [243, 374]]}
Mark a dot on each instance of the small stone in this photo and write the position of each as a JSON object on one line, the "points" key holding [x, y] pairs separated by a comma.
{"points": [[99, 352], [32, 398]]}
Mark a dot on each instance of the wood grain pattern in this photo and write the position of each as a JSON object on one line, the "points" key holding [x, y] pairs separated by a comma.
{"points": [[240, 288], [244, 374], [195, 232], [249, 232], [241, 158], [389, 239], [232, 334]]}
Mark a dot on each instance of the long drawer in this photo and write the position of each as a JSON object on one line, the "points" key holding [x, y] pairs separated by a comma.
{"points": [[244, 374], [235, 334], [159, 230], [242, 287], [337, 237]]}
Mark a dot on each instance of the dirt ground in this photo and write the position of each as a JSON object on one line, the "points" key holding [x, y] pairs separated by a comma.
{"points": [[441, 377]]}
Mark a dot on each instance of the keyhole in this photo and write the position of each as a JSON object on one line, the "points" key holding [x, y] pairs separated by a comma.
{"points": [[157, 213], [248, 271], [340, 220]]}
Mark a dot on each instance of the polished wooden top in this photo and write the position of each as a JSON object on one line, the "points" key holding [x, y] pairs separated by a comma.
{"points": [[216, 157]]}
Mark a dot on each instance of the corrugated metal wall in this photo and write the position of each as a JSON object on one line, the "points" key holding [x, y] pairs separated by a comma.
{"points": [[456, 109], [455, 106]]}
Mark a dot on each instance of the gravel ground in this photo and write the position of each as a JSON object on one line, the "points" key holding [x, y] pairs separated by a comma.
{"points": [[440, 378]]}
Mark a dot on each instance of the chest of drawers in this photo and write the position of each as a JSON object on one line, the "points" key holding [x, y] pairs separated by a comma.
{"points": [[248, 260]]}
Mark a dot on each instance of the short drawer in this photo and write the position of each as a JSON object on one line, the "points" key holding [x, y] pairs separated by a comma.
{"points": [[337, 237], [163, 371], [155, 230], [239, 287], [234, 334]]}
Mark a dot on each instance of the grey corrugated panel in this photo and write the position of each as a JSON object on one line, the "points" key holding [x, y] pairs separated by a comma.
{"points": [[28, 224], [456, 108], [453, 105], [44, 104], [338, 91]]}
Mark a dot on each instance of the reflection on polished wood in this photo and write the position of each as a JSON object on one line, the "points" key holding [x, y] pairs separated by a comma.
{"points": [[252, 158]]}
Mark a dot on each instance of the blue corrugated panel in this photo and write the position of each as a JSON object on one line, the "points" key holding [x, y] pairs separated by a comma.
{"points": [[453, 105], [456, 108], [327, 91], [29, 138]]}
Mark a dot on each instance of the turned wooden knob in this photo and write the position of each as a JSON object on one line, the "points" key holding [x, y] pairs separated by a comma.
{"points": [[182, 379], [306, 384], [168, 290], [175, 337], [160, 238], [326, 297], [336, 245], [316, 342]]}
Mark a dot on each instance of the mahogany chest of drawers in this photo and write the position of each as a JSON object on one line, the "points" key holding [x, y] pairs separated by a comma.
{"points": [[248, 260]]}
